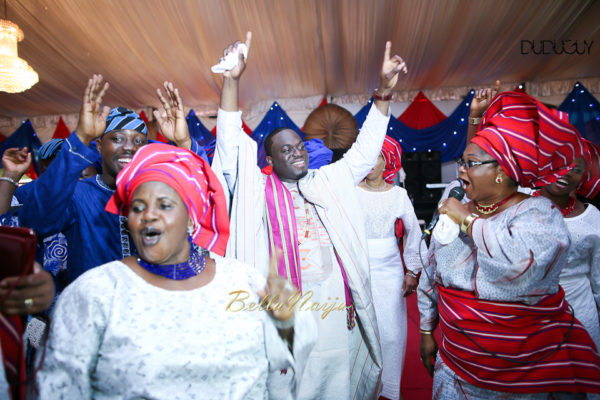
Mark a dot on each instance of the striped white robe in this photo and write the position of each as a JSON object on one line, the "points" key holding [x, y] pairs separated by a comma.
{"points": [[332, 190]]}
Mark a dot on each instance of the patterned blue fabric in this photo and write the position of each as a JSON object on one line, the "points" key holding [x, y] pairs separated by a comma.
{"points": [[59, 202], [198, 131], [121, 118], [55, 258], [50, 148]]}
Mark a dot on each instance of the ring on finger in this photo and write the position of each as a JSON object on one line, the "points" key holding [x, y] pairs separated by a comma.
{"points": [[28, 303]]}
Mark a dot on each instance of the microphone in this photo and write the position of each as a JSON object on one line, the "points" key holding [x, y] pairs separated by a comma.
{"points": [[458, 193]]}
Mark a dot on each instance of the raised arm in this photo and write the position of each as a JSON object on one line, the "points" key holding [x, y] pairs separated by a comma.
{"points": [[363, 154], [46, 201], [230, 137], [172, 118], [388, 77], [481, 101], [15, 163]]}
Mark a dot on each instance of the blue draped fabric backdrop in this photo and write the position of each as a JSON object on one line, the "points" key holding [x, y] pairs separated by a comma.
{"points": [[275, 118], [448, 136], [198, 131], [201, 134], [584, 112]]}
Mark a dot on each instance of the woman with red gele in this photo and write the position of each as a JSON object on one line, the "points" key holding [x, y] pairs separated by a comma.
{"points": [[580, 278], [507, 331]]}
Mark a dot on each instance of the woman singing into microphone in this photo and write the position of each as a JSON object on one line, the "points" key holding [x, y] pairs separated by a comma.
{"points": [[507, 331]]}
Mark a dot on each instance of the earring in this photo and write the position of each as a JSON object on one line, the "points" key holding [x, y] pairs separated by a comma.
{"points": [[498, 179], [190, 232]]}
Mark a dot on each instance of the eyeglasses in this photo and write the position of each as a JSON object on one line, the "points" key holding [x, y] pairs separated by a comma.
{"points": [[470, 164]]}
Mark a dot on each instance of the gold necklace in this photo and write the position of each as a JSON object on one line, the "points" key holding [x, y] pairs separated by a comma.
{"points": [[376, 189]]}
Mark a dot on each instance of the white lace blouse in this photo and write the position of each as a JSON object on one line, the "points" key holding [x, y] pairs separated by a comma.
{"points": [[115, 336]]}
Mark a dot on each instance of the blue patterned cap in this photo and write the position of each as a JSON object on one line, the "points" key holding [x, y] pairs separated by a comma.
{"points": [[50, 148], [121, 118]]}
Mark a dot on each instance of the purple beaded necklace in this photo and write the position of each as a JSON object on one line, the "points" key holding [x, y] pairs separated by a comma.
{"points": [[192, 267]]}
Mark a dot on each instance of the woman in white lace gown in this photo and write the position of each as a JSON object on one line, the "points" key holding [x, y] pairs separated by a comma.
{"points": [[175, 322], [580, 278], [384, 203]]}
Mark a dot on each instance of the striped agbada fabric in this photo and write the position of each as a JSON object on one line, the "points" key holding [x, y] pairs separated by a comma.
{"points": [[551, 351], [283, 235], [121, 118], [532, 144], [283, 232], [392, 154], [191, 177], [590, 182], [50, 148], [13, 354]]}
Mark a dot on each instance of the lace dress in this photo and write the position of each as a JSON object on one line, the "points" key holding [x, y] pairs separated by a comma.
{"points": [[494, 270], [580, 278], [115, 336], [381, 210]]}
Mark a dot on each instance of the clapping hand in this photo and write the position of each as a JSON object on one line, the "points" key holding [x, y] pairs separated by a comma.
{"points": [[171, 120], [390, 69], [16, 162], [482, 99], [92, 117]]}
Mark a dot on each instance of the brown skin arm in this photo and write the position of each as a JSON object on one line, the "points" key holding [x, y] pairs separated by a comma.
{"points": [[231, 79], [481, 101], [172, 118], [15, 163], [428, 350], [92, 117]]}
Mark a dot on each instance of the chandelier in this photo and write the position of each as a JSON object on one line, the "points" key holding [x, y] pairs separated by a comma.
{"points": [[15, 74]]}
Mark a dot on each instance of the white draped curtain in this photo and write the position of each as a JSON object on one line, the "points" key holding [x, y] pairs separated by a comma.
{"points": [[302, 50]]}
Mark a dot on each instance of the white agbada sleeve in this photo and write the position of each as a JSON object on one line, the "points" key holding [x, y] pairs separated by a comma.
{"points": [[235, 164]]}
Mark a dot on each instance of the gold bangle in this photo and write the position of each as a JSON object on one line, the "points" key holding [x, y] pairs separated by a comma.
{"points": [[426, 332], [467, 222], [474, 120]]}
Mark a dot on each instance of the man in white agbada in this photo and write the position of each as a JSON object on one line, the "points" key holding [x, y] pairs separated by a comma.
{"points": [[315, 216]]}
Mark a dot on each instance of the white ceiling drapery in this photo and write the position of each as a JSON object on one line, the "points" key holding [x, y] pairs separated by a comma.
{"points": [[300, 48]]}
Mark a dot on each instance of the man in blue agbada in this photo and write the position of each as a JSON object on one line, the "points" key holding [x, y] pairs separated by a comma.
{"points": [[59, 202]]}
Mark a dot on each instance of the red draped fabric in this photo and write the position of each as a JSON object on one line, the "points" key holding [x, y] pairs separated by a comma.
{"points": [[513, 347], [245, 127], [421, 113], [61, 131]]}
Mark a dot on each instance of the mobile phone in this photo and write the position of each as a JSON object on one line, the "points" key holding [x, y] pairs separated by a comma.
{"points": [[17, 251]]}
